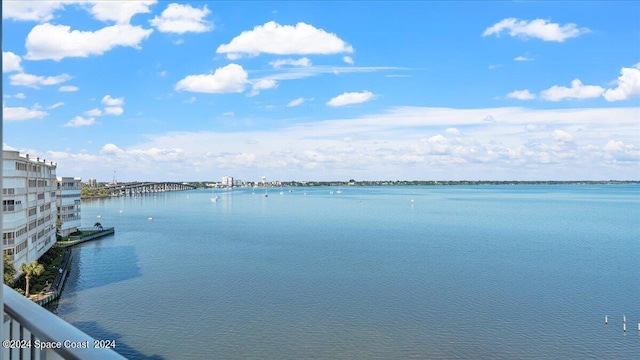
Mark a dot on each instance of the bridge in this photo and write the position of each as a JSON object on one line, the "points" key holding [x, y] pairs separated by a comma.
{"points": [[139, 188]]}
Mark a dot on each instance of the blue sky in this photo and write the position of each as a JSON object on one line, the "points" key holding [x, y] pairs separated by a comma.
{"points": [[192, 91]]}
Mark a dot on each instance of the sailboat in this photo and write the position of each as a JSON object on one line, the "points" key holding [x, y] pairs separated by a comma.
{"points": [[214, 197]]}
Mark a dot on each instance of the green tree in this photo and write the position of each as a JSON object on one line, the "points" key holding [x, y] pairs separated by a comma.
{"points": [[98, 226], [9, 270], [29, 270]]}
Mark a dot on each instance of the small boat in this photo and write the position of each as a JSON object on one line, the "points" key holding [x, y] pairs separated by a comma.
{"points": [[214, 197]]}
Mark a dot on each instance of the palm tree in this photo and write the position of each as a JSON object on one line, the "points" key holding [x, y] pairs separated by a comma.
{"points": [[30, 269], [98, 226]]}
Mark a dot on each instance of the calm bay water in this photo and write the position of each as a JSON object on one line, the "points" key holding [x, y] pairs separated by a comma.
{"points": [[489, 272]]}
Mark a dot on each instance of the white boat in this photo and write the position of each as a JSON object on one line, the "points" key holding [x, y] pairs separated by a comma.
{"points": [[214, 197]]}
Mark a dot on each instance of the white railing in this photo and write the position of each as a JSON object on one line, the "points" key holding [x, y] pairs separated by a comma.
{"points": [[31, 332]]}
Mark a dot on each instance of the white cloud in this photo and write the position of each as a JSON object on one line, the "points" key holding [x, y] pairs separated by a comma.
{"points": [[538, 28], [292, 62], [273, 38], [522, 58], [519, 146], [111, 149], [628, 85], [494, 66], [79, 121], [34, 81], [10, 61], [348, 60], [56, 42], [262, 84], [21, 113], [163, 73], [113, 110], [351, 98], [119, 11], [68, 88], [181, 19], [561, 135], [109, 101], [228, 79], [521, 95], [93, 112], [618, 151], [295, 102], [19, 96], [56, 105], [576, 91], [452, 131], [39, 11]]}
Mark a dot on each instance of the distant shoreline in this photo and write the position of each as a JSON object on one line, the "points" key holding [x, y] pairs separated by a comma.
{"points": [[206, 184]]}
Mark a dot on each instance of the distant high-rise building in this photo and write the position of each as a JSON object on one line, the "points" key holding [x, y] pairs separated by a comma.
{"points": [[68, 204], [227, 181], [29, 189], [93, 183]]}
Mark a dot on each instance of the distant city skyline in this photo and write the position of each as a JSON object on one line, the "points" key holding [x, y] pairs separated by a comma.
{"points": [[315, 91]]}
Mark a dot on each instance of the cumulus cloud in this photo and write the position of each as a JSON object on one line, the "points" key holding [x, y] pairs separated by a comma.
{"points": [[10, 62], [119, 11], [576, 91], [628, 85], [43, 11], [39, 11], [56, 42], [262, 84], [110, 101], [79, 121], [93, 112], [522, 145], [273, 38], [619, 151], [22, 113], [19, 96], [561, 135], [227, 79], [538, 28], [35, 81], [522, 58], [111, 149], [521, 95], [113, 110], [348, 60], [68, 88], [180, 19], [351, 98], [291, 62]]}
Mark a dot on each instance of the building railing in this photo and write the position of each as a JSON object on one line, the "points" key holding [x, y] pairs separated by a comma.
{"points": [[26, 323]]}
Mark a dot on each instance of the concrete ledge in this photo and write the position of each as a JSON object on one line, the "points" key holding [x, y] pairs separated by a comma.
{"points": [[102, 233]]}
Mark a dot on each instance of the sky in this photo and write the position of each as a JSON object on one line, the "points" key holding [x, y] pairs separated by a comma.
{"points": [[333, 90]]}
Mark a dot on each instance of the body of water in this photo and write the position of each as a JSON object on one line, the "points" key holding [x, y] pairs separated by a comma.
{"points": [[482, 272]]}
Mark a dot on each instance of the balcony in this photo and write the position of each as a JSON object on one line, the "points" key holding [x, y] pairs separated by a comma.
{"points": [[26, 321]]}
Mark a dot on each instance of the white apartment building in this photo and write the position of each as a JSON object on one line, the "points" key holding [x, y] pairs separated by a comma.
{"points": [[68, 205], [227, 181], [29, 189]]}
